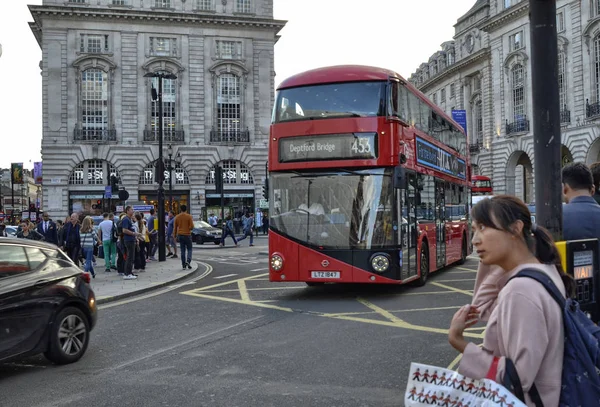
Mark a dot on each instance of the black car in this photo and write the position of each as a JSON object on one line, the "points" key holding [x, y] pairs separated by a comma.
{"points": [[203, 232], [46, 303]]}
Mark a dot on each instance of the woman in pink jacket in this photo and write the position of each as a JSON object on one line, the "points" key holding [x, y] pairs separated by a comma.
{"points": [[524, 323]]}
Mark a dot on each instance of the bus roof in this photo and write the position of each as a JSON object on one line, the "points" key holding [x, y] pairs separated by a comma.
{"points": [[339, 73], [356, 73], [480, 178]]}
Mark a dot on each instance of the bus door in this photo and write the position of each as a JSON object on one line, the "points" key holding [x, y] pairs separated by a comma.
{"points": [[440, 223], [408, 227]]}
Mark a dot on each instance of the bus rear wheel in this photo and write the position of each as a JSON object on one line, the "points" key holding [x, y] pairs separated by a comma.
{"points": [[424, 268], [463, 252]]}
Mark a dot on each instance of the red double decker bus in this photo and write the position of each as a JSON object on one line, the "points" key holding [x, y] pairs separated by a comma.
{"points": [[369, 181], [481, 185]]}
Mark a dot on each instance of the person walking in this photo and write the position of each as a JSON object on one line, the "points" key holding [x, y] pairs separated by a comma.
{"points": [[182, 231], [228, 231], [595, 168], [171, 243], [129, 242], [72, 241], [140, 251], [88, 240], [28, 232], [524, 322], [265, 224], [48, 229], [248, 228], [109, 246]]}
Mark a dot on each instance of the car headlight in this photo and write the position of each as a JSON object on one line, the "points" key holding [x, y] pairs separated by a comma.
{"points": [[276, 262], [380, 262]]}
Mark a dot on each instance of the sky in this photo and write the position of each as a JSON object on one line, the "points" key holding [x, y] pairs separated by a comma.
{"points": [[393, 34]]}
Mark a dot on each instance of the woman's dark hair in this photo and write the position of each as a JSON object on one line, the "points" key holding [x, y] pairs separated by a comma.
{"points": [[502, 211]]}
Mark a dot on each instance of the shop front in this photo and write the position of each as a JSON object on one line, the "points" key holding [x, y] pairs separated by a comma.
{"points": [[179, 198], [91, 203], [237, 203]]}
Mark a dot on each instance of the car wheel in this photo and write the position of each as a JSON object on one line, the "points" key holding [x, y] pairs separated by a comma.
{"points": [[200, 240], [69, 336], [217, 242]]}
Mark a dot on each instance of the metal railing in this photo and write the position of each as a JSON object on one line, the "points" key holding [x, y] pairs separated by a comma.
{"points": [[95, 135], [565, 116], [237, 136], [520, 125], [592, 109], [169, 135], [475, 146]]}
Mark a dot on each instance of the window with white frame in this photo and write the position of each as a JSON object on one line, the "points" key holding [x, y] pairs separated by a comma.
{"points": [[443, 96], [452, 91], [163, 47], [181, 177], [478, 121], [162, 3], [516, 41], [562, 80], [169, 98], [243, 6], [245, 176], [112, 170], [518, 92], [229, 49], [205, 5], [93, 43], [560, 21], [94, 102], [434, 68], [434, 98], [476, 83], [451, 58], [595, 7], [77, 1], [510, 3], [597, 67], [95, 174], [229, 105], [229, 171], [76, 177], [147, 176], [120, 2]]}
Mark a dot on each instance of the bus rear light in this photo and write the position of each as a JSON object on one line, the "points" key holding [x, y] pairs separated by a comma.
{"points": [[276, 262]]}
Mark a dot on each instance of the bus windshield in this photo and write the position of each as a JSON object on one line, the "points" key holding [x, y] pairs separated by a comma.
{"points": [[348, 99], [335, 209], [482, 184]]}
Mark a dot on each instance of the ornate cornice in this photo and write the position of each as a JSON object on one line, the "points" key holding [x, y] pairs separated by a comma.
{"points": [[151, 16], [505, 17], [459, 66]]}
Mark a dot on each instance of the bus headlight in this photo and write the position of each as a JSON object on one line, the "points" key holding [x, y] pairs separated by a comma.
{"points": [[276, 262], [380, 262]]}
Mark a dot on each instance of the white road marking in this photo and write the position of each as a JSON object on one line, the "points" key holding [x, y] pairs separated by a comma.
{"points": [[228, 275]]}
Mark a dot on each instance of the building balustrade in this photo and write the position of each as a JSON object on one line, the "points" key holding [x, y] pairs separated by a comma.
{"points": [[520, 125], [95, 135], [235, 136]]}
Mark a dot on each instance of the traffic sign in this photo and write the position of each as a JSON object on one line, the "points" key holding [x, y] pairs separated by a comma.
{"points": [[2, 215], [108, 192]]}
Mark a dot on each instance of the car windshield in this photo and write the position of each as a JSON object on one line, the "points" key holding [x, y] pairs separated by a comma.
{"points": [[341, 210], [349, 99], [201, 224]]}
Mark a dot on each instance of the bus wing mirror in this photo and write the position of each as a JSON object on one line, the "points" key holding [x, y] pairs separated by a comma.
{"points": [[400, 180]]}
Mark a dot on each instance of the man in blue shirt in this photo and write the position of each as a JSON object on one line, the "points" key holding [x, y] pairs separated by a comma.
{"points": [[171, 243], [129, 237], [581, 215]]}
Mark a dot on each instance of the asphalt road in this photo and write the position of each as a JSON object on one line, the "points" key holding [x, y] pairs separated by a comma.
{"points": [[234, 339]]}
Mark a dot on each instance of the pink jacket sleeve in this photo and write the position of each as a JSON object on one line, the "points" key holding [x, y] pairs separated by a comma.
{"points": [[488, 283], [523, 330]]}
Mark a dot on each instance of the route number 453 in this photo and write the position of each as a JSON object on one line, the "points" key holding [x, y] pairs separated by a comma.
{"points": [[361, 145]]}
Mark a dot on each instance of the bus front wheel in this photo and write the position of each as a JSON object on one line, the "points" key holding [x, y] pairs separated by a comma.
{"points": [[314, 284], [424, 267]]}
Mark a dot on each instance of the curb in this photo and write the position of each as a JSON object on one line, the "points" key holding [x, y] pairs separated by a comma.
{"points": [[114, 298], [264, 253]]}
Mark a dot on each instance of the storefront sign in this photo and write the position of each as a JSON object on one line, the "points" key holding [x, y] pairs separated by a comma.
{"points": [[91, 196], [348, 146], [436, 158], [230, 195], [142, 208]]}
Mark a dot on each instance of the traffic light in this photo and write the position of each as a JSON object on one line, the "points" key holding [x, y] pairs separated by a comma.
{"points": [[219, 179], [31, 207], [266, 189], [114, 184], [159, 172]]}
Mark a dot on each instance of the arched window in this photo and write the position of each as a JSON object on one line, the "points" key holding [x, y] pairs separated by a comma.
{"points": [[229, 107], [94, 104], [518, 92], [93, 172], [180, 176], [169, 103], [234, 172], [597, 68], [478, 121]]}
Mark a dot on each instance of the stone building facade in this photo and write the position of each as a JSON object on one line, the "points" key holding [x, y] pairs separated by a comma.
{"points": [[100, 119], [491, 75]]}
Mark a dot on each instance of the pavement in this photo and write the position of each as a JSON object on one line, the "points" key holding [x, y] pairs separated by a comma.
{"points": [[111, 287]]}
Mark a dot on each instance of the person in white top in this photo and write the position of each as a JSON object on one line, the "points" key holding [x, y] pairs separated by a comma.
{"points": [[109, 244]]}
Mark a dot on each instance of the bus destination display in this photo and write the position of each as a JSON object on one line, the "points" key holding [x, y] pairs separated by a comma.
{"points": [[349, 146], [434, 157]]}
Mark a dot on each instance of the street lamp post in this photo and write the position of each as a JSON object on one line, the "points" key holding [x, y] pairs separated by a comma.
{"points": [[170, 152], [162, 256]]}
